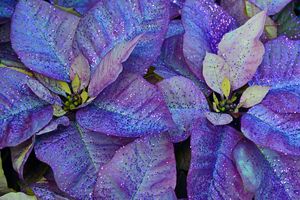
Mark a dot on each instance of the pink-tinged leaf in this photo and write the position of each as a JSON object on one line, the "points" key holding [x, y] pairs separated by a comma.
{"points": [[130, 107], [22, 113], [243, 51], [143, 169], [253, 95], [111, 66], [275, 122], [215, 71], [42, 92], [75, 156], [272, 6], [20, 154], [42, 36], [218, 118], [280, 67], [205, 23], [81, 67], [186, 103], [110, 23], [268, 174], [212, 174], [53, 125]]}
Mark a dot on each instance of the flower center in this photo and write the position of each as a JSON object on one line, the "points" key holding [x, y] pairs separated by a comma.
{"points": [[72, 102]]}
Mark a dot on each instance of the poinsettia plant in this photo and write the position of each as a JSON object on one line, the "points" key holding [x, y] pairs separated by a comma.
{"points": [[159, 99]]}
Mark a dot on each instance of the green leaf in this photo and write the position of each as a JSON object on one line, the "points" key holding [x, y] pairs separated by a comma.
{"points": [[58, 111], [288, 22], [216, 100], [84, 96], [17, 69], [253, 95], [64, 86], [76, 83], [17, 196], [225, 87]]}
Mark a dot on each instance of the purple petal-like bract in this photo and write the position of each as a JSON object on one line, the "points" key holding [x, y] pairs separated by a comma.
{"points": [[281, 64], [186, 102], [275, 123], [205, 24], [110, 22], [144, 169], [212, 174], [75, 156], [48, 191], [130, 107], [21, 112], [42, 36], [269, 174]]}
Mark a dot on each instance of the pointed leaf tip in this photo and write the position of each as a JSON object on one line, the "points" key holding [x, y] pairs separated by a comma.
{"points": [[253, 95]]}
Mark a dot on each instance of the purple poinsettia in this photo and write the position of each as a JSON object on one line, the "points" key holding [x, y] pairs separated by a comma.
{"points": [[81, 98], [255, 87]]}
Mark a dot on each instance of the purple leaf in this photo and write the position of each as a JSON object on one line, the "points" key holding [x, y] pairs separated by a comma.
{"points": [[281, 64], [275, 122], [186, 103], [144, 169], [48, 191], [75, 156], [20, 154], [111, 66], [171, 62], [53, 125], [21, 112], [212, 173], [272, 6], [271, 175], [111, 22], [205, 24], [237, 11], [42, 36], [130, 107], [175, 28]]}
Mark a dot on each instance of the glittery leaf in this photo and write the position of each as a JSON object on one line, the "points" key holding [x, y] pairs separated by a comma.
{"points": [[272, 6], [22, 113], [185, 102], [275, 122], [42, 36], [242, 51], [237, 11], [111, 66], [17, 196], [48, 191], [212, 174], [7, 8], [171, 62], [218, 118], [109, 23], [20, 154], [52, 84], [175, 28], [81, 67], [281, 64], [75, 156], [53, 125], [269, 174], [130, 107], [42, 92], [143, 169], [205, 24]]}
